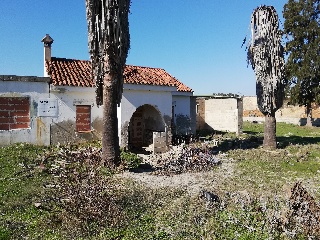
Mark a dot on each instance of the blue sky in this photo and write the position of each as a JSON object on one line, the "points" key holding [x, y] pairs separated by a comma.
{"points": [[198, 42]]}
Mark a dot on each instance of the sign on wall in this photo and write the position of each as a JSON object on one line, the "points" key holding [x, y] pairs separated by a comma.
{"points": [[47, 107]]}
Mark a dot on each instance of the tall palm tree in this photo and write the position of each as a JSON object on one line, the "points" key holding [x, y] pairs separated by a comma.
{"points": [[109, 42], [266, 57]]}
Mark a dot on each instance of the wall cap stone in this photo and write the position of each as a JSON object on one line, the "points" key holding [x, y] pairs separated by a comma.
{"points": [[16, 78]]}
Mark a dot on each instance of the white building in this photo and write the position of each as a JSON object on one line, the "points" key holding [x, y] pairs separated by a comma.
{"points": [[20, 100], [154, 103]]}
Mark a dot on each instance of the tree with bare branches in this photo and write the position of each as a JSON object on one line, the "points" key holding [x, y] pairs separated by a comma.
{"points": [[109, 42], [266, 58]]}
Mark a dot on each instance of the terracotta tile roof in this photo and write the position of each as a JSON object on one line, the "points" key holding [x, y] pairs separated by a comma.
{"points": [[71, 72]]}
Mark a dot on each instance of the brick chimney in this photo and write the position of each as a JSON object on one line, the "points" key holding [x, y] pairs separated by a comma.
{"points": [[47, 42]]}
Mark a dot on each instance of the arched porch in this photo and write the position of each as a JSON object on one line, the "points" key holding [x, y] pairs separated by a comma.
{"points": [[146, 120]]}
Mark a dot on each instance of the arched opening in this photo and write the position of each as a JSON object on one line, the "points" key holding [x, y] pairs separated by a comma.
{"points": [[144, 121]]}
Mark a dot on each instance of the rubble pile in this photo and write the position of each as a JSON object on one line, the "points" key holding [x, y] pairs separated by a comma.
{"points": [[304, 211], [179, 159], [185, 158]]}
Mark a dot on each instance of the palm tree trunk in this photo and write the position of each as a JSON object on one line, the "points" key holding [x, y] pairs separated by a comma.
{"points": [[269, 141], [309, 115], [110, 138]]}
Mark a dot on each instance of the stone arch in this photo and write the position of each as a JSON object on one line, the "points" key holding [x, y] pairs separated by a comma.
{"points": [[143, 122]]}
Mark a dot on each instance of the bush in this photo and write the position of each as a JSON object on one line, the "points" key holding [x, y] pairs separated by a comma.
{"points": [[129, 160]]}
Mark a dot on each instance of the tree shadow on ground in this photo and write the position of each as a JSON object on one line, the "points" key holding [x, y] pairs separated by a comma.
{"points": [[141, 150], [252, 133], [142, 168], [246, 143], [315, 122], [293, 140], [253, 142]]}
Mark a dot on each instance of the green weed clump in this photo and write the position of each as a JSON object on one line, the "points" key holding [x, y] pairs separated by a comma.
{"points": [[129, 159]]}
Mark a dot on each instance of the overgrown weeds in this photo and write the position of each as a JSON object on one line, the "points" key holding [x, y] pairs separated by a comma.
{"points": [[63, 193]]}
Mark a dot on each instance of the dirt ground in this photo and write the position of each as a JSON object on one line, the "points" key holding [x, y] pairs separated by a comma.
{"points": [[191, 182], [223, 178]]}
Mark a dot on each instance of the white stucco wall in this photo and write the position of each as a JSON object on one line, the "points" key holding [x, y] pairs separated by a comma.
{"points": [[250, 103], [181, 101], [34, 88], [181, 104], [135, 96], [223, 114], [63, 126], [69, 97]]}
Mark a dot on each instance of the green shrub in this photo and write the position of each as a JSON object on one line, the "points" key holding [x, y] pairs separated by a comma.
{"points": [[130, 160]]}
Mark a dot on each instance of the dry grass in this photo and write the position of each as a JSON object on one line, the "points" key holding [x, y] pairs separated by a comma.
{"points": [[262, 194]]}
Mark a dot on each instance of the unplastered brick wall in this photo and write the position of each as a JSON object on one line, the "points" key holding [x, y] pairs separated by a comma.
{"points": [[83, 118], [14, 113]]}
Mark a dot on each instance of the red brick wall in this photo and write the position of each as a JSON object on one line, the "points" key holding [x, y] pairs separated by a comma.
{"points": [[83, 118], [14, 113]]}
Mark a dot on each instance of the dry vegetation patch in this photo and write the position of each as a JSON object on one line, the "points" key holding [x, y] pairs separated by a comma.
{"points": [[245, 193]]}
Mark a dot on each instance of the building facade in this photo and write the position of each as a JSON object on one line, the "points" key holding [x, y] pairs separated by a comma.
{"points": [[152, 106]]}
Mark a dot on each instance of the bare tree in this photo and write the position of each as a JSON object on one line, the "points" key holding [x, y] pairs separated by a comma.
{"points": [[109, 42], [266, 57]]}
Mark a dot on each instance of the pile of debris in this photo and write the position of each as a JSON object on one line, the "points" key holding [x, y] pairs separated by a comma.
{"points": [[179, 159], [304, 212], [185, 158]]}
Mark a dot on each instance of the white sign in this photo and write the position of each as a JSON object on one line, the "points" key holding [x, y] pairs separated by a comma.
{"points": [[47, 107]]}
